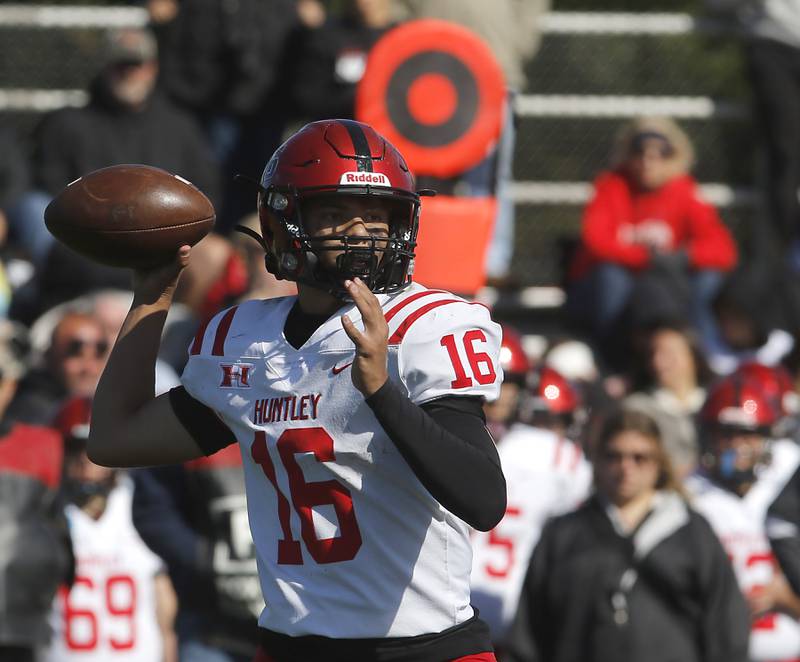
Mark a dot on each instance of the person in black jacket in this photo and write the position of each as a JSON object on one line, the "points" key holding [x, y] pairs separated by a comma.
{"points": [[329, 61], [35, 550], [125, 121], [634, 574], [783, 529], [194, 516]]}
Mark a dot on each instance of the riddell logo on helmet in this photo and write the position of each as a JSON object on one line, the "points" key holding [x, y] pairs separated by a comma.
{"points": [[371, 178]]}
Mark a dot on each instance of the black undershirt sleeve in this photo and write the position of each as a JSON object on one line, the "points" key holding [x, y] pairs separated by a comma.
{"points": [[447, 446], [200, 421], [445, 442]]}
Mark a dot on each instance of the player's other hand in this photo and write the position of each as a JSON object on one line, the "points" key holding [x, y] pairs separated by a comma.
{"points": [[150, 285], [369, 371]]}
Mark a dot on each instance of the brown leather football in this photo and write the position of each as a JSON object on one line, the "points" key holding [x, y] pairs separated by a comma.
{"points": [[129, 215]]}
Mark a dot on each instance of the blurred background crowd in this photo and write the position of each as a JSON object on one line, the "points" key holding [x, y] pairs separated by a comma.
{"points": [[643, 263]]}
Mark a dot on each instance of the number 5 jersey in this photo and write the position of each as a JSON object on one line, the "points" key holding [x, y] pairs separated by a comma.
{"points": [[349, 543]]}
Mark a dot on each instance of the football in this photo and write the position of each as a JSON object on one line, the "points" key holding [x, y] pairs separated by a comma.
{"points": [[129, 215]]}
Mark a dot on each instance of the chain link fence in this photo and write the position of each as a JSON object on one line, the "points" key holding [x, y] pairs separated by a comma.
{"points": [[584, 85], [589, 76]]}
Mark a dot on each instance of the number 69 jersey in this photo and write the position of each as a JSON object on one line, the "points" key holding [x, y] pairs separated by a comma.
{"points": [[349, 542]]}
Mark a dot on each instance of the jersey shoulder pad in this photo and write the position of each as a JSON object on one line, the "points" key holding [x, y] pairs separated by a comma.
{"points": [[447, 346], [232, 332]]}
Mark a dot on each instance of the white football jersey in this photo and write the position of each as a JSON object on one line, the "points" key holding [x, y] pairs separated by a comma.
{"points": [[110, 612], [546, 475], [739, 522], [349, 543]]}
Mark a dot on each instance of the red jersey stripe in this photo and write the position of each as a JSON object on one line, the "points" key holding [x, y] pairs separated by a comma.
{"points": [[397, 337], [393, 311], [197, 345], [222, 332]]}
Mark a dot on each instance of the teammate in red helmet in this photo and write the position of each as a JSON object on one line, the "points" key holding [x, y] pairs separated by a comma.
{"points": [[742, 471], [555, 403], [737, 419], [777, 385], [504, 412], [357, 406], [546, 474]]}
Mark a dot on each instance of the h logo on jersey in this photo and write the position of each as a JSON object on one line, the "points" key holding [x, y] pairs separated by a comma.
{"points": [[236, 375]]}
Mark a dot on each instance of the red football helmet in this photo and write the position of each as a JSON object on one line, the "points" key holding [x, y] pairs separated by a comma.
{"points": [[554, 403], [553, 393], [338, 157], [738, 403], [776, 384], [513, 358]]}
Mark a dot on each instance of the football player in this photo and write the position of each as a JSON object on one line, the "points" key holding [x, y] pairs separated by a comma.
{"points": [[743, 470], [357, 406], [503, 412], [121, 604], [546, 475], [776, 384]]}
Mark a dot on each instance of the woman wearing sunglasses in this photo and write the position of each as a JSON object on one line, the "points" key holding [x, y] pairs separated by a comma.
{"points": [[633, 574], [649, 242]]}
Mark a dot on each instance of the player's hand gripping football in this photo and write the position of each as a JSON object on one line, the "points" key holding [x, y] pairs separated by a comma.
{"points": [[158, 283], [369, 371]]}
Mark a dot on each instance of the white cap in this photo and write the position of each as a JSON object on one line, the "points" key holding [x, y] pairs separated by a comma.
{"points": [[574, 360]]}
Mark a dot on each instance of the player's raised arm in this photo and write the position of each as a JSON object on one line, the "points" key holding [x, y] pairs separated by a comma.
{"points": [[130, 426], [445, 442]]}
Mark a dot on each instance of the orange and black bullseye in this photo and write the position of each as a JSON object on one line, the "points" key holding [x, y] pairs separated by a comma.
{"points": [[412, 99], [435, 90]]}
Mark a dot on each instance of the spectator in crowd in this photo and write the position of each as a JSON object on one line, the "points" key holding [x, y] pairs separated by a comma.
{"points": [[772, 33], [14, 180], [669, 382], [222, 61], [329, 61], [35, 554], [748, 311], [512, 29], [783, 530], [111, 307], [195, 517], [70, 367], [743, 470], [634, 573], [649, 242], [125, 121], [260, 284], [121, 604], [217, 279], [546, 475]]}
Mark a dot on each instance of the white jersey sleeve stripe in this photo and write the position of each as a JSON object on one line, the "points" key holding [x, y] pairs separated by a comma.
{"points": [[222, 332], [197, 344], [223, 323]]}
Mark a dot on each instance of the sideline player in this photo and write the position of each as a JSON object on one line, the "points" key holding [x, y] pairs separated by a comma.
{"points": [[546, 475], [357, 406], [742, 472], [121, 604]]}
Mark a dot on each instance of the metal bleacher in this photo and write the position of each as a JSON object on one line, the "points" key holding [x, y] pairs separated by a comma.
{"points": [[593, 71]]}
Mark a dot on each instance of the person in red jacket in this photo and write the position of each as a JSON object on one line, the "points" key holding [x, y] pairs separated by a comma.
{"points": [[649, 243]]}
